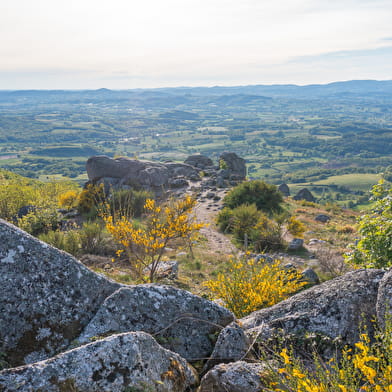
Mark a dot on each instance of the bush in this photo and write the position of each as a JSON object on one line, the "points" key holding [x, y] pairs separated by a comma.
{"points": [[69, 241], [68, 199], [250, 285], [225, 220], [145, 245], [365, 367], [266, 197], [41, 220], [90, 198], [295, 227], [245, 218], [266, 235], [374, 249], [92, 238], [129, 203]]}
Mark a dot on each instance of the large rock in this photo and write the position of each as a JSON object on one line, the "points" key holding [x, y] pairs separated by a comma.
{"points": [[334, 309], [384, 299], [181, 321], [234, 164], [234, 377], [131, 361], [232, 345], [47, 297], [284, 189], [199, 161], [305, 194], [121, 172]]}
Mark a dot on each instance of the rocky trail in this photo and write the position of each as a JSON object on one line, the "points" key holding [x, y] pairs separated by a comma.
{"points": [[207, 208]]}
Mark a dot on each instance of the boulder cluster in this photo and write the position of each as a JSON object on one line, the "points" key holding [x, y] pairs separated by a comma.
{"points": [[66, 328], [160, 177]]}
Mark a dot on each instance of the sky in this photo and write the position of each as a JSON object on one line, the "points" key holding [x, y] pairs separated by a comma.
{"points": [[124, 44]]}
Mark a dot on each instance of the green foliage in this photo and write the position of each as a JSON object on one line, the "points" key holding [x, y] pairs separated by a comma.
{"points": [[223, 164], [17, 191], [41, 220], [249, 285], [90, 198], [266, 235], [367, 367], [69, 241], [129, 203], [295, 227], [245, 219], [265, 196], [225, 220], [93, 238], [374, 248]]}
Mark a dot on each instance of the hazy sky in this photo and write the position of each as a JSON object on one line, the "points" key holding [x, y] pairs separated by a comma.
{"points": [[153, 43]]}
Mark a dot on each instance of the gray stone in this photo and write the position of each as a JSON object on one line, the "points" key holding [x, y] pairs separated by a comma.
{"points": [[296, 244], [234, 164], [234, 377], [181, 321], [47, 297], [335, 308], [199, 161], [232, 345], [384, 299], [122, 172], [131, 360], [284, 189], [305, 194], [165, 269], [178, 183], [310, 276], [322, 218]]}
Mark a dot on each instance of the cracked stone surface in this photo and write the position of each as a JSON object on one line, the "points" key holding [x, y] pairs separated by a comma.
{"points": [[181, 321], [47, 297], [131, 360]]}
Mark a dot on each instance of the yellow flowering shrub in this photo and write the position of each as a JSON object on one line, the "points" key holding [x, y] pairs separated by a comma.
{"points": [[295, 227], [365, 368], [144, 245], [249, 285], [68, 199]]}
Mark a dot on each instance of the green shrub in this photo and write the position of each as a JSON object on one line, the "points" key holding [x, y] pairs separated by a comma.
{"points": [[225, 220], [129, 203], [266, 235], [265, 196], [69, 241], [93, 238], [374, 248], [90, 198], [41, 220], [245, 219]]}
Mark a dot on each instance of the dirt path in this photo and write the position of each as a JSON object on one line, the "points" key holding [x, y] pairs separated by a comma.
{"points": [[206, 211]]}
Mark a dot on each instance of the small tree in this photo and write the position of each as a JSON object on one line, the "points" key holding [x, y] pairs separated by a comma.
{"points": [[145, 245], [374, 248]]}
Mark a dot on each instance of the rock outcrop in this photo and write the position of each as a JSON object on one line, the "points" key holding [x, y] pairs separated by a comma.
{"points": [[334, 309], [305, 194], [47, 297], [384, 299], [233, 164], [234, 377], [180, 321], [284, 189], [126, 172], [131, 360], [199, 161]]}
